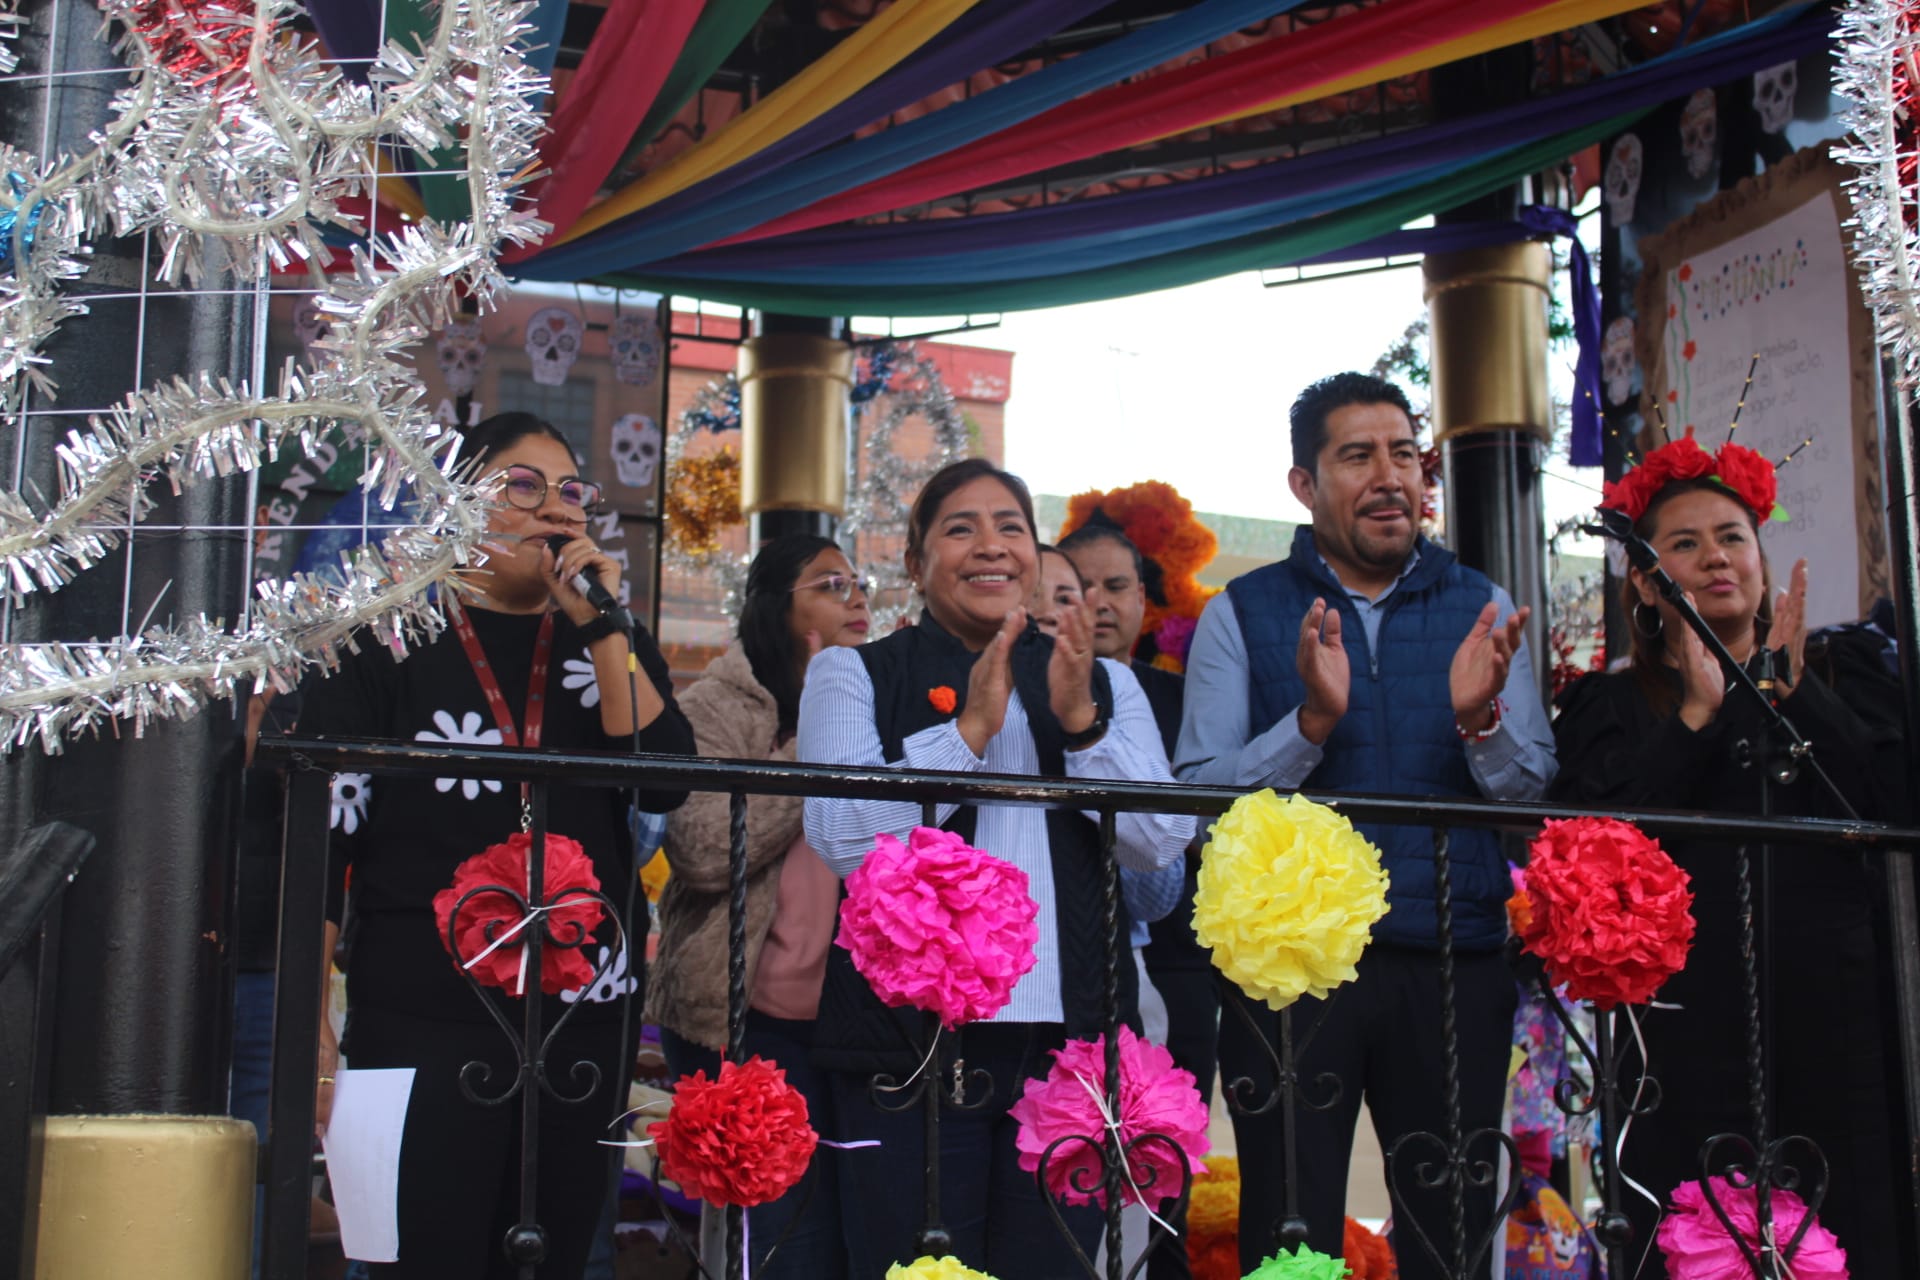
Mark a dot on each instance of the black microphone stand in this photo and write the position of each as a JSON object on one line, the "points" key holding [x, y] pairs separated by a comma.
{"points": [[1776, 728], [1778, 749]]}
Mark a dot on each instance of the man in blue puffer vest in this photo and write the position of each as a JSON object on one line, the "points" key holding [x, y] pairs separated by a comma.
{"points": [[1372, 660]]}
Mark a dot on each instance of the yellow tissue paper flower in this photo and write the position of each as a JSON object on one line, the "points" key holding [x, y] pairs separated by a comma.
{"points": [[947, 1268], [1289, 893]]}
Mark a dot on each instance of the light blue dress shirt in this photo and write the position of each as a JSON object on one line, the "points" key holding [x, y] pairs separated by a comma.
{"points": [[837, 727]]}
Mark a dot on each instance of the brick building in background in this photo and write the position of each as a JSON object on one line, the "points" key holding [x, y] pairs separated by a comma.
{"points": [[693, 625]]}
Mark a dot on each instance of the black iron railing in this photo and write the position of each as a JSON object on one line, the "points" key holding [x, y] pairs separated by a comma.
{"points": [[1453, 1163]]}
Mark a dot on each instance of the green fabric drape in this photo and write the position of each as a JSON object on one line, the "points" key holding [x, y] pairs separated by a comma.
{"points": [[1267, 249]]}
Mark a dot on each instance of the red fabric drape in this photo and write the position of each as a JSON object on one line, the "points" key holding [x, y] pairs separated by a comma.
{"points": [[617, 81], [1173, 102]]}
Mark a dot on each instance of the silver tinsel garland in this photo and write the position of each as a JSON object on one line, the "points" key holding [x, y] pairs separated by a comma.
{"points": [[1874, 37], [231, 173]]}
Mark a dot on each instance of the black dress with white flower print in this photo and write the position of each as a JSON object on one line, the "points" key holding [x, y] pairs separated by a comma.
{"points": [[398, 839]]}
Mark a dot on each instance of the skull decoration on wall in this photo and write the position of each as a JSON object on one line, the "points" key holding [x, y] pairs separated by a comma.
{"points": [[1622, 179], [636, 450], [463, 353], [553, 344], [635, 343], [1773, 92], [310, 323], [1699, 132], [1616, 360]]}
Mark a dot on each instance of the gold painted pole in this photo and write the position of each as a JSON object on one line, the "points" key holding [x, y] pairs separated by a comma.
{"points": [[148, 1196], [795, 401], [1487, 309]]}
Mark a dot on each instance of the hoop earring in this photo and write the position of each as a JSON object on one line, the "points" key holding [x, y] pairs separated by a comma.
{"points": [[1659, 623]]}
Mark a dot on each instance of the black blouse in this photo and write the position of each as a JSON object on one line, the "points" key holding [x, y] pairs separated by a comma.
{"points": [[400, 838]]}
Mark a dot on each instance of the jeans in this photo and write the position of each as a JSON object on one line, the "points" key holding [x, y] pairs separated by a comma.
{"points": [[253, 1071], [804, 1224]]}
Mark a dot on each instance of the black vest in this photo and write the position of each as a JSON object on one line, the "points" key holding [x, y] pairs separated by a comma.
{"points": [[855, 1032]]}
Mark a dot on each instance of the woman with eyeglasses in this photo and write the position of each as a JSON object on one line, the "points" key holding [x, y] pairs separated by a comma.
{"points": [[976, 687], [527, 661], [801, 597]]}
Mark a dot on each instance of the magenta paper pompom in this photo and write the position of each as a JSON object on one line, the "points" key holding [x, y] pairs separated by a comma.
{"points": [[939, 925], [1155, 1097], [1697, 1246]]}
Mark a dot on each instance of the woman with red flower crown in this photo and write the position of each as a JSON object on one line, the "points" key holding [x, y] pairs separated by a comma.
{"points": [[1665, 733], [529, 661]]}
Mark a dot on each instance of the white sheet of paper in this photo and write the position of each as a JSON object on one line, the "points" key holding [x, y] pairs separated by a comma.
{"points": [[362, 1143]]}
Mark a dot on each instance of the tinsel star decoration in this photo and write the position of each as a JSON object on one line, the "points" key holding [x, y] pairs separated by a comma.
{"points": [[232, 143]]}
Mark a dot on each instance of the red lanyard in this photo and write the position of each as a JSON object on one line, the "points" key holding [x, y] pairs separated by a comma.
{"points": [[490, 684]]}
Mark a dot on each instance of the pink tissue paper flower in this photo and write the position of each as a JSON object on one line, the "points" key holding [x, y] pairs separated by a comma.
{"points": [[1155, 1097], [1697, 1246], [939, 925]]}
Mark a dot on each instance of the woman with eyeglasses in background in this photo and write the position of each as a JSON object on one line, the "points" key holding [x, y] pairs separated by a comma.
{"points": [[498, 673], [801, 597]]}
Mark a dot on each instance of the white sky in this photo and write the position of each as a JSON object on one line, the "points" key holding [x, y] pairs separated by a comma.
{"points": [[1192, 385]]}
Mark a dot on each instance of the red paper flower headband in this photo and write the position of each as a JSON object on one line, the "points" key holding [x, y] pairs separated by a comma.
{"points": [[1737, 469]]}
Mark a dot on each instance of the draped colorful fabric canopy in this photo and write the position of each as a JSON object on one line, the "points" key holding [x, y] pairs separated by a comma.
{"points": [[778, 206]]}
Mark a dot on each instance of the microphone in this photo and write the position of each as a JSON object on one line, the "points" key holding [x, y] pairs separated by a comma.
{"points": [[597, 596]]}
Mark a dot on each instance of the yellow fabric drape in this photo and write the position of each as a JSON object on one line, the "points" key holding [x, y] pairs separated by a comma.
{"points": [[854, 63], [1560, 16]]}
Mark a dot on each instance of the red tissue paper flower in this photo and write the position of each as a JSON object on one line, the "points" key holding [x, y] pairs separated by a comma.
{"points": [[1751, 477], [1155, 1097], [1608, 911], [742, 1138], [566, 867], [1697, 1246], [939, 925]]}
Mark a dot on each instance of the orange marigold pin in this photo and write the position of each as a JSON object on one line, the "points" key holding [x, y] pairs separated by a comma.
{"points": [[943, 698]]}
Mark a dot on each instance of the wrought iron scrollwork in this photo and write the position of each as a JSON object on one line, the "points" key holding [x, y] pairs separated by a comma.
{"points": [[1764, 1171], [1094, 1177], [1453, 1170], [532, 1068]]}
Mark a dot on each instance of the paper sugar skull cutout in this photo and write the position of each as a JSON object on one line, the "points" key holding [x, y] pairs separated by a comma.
{"points": [[634, 341], [553, 344], [1773, 93], [1622, 180], [1699, 131], [1616, 360], [310, 323], [636, 450], [463, 352]]}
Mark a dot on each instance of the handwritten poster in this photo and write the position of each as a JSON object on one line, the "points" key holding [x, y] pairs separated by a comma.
{"points": [[1757, 282]]}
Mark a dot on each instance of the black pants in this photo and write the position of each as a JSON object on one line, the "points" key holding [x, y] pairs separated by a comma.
{"points": [[992, 1207], [1192, 997], [1380, 1035], [1828, 1067], [460, 1161]]}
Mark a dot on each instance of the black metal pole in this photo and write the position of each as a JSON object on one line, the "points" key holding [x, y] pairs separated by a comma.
{"points": [[1903, 886], [302, 967], [526, 1242], [736, 1222], [146, 925], [1116, 1153]]}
